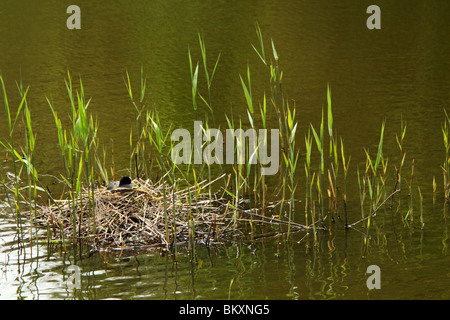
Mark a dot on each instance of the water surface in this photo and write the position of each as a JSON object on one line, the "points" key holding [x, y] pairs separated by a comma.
{"points": [[398, 72]]}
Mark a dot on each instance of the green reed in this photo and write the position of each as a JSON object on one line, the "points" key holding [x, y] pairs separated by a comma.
{"points": [[434, 189], [209, 77], [79, 152], [313, 212], [158, 139], [194, 83], [372, 166], [152, 139], [291, 159], [253, 158], [238, 171], [285, 115], [362, 190], [207, 100], [319, 138], [22, 158], [9, 146], [345, 166], [28, 154], [149, 146], [308, 197], [263, 112], [446, 166], [410, 212], [139, 152], [275, 76], [333, 157], [400, 141]]}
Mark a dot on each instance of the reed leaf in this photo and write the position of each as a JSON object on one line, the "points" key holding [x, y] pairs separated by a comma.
{"points": [[330, 112], [247, 90]]}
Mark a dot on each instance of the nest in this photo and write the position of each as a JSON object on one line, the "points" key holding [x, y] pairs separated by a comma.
{"points": [[143, 217]]}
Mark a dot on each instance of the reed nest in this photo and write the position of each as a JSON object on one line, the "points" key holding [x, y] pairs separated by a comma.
{"points": [[136, 218]]}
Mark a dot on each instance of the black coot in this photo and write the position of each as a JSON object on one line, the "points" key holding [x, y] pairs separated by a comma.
{"points": [[125, 182]]}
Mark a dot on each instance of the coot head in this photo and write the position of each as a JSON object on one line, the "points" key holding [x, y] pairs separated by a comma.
{"points": [[125, 182]]}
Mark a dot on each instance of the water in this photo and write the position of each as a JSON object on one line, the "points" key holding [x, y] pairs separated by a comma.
{"points": [[414, 265], [400, 71]]}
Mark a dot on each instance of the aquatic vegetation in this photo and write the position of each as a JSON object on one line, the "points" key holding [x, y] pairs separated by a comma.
{"points": [[21, 158], [80, 155], [446, 166], [192, 202], [345, 166]]}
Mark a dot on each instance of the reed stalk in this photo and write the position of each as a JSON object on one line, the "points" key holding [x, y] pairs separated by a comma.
{"points": [[139, 151], [410, 212], [79, 152], [372, 170], [263, 111], [445, 168], [275, 76], [10, 147], [319, 138], [422, 223], [333, 157], [28, 157], [158, 139], [209, 77], [308, 198], [345, 166], [23, 158], [434, 189], [400, 141], [291, 159], [194, 82]]}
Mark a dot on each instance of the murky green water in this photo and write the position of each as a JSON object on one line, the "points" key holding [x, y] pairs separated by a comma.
{"points": [[400, 71]]}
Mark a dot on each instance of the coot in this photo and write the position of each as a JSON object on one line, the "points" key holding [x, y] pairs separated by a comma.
{"points": [[125, 182]]}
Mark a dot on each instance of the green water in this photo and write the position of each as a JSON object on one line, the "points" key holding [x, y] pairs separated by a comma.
{"points": [[400, 71]]}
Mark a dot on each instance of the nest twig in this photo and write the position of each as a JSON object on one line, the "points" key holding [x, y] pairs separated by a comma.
{"points": [[137, 219]]}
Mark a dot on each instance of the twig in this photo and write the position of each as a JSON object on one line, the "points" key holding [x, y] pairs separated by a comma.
{"points": [[374, 212]]}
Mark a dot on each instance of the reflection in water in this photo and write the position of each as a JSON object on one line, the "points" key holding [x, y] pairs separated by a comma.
{"points": [[269, 269], [23, 264]]}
